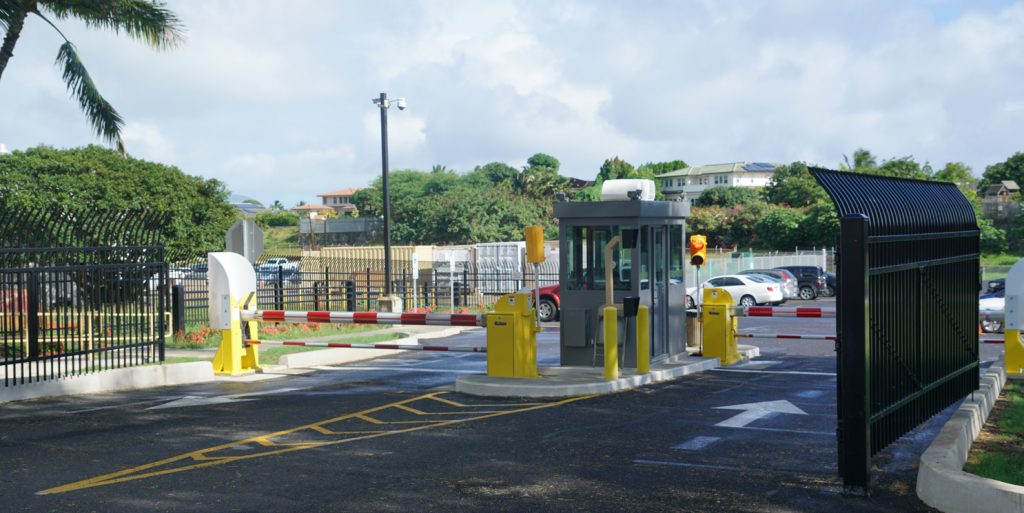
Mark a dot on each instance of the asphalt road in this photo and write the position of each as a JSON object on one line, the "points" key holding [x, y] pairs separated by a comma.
{"points": [[390, 435]]}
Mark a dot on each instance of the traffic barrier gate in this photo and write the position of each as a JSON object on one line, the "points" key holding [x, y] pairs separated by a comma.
{"points": [[511, 330], [1012, 337], [1014, 323]]}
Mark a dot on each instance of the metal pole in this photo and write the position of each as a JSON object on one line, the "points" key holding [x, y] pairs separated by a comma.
{"points": [[854, 392], [387, 198]]}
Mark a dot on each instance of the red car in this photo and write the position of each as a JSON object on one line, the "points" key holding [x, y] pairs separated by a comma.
{"points": [[549, 302]]}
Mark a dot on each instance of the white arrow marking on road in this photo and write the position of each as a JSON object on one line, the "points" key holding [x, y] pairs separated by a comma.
{"points": [[754, 411], [198, 400]]}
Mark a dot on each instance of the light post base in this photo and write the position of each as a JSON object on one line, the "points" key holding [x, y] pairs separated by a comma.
{"points": [[389, 304]]}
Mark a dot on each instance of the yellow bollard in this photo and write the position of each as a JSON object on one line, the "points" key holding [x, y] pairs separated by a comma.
{"points": [[611, 343], [643, 340], [1014, 353]]}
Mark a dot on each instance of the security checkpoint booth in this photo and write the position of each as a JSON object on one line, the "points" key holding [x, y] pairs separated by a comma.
{"points": [[647, 264], [621, 276]]}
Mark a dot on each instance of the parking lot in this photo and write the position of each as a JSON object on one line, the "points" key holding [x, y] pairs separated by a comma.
{"points": [[390, 435]]}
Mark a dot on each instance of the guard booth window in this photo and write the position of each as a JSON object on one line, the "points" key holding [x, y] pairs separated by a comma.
{"points": [[676, 254], [586, 258]]}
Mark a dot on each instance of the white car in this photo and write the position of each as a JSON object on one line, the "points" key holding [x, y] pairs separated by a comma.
{"points": [[991, 313], [746, 290]]}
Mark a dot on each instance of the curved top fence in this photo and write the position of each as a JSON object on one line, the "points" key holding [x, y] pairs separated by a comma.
{"points": [[898, 206]]}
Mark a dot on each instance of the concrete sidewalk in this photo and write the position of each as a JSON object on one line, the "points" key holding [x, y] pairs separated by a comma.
{"points": [[577, 381], [150, 376]]}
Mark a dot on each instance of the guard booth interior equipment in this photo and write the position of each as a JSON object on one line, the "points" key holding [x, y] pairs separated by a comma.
{"points": [[907, 309], [651, 270]]}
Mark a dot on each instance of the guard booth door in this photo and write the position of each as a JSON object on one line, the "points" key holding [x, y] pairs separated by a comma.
{"points": [[654, 283]]}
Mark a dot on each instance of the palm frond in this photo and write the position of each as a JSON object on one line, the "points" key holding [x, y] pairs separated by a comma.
{"points": [[9, 10], [104, 118], [147, 21]]}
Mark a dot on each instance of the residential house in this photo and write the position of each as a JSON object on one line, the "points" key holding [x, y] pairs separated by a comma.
{"points": [[304, 210], [688, 183], [340, 200], [1001, 201]]}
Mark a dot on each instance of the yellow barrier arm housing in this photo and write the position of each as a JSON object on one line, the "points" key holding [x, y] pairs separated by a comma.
{"points": [[1014, 319], [232, 283], [512, 338], [719, 326]]}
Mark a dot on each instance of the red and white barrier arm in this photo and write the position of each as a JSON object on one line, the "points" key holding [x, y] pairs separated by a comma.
{"points": [[779, 335], [784, 311], [411, 347], [413, 319]]}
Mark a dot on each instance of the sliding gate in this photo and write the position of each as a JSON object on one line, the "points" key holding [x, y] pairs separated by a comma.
{"points": [[908, 309]]}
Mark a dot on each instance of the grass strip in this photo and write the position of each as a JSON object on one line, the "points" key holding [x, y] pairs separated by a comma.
{"points": [[998, 453]]}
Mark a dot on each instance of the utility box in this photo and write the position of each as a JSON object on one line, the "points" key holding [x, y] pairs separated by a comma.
{"points": [[512, 338]]}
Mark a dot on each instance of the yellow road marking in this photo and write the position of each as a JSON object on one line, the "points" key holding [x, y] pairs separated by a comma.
{"points": [[207, 460]]}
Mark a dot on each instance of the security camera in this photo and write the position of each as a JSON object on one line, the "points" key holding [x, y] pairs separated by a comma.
{"points": [[400, 102], [634, 195]]}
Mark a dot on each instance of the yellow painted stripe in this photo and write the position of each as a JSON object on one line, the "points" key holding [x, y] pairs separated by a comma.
{"points": [[151, 469]]}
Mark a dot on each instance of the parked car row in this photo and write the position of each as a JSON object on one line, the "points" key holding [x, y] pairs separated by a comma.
{"points": [[748, 288]]}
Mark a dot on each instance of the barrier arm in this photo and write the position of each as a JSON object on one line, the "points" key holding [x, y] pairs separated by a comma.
{"points": [[232, 282], [1014, 312]]}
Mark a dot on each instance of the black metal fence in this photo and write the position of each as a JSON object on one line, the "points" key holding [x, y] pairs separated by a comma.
{"points": [[79, 292], [352, 284], [908, 309]]}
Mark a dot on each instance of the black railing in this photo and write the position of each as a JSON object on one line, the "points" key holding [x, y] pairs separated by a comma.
{"points": [[317, 283], [907, 309], [79, 306]]}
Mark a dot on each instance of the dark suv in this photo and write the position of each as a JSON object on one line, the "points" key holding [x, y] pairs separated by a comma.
{"points": [[810, 279]]}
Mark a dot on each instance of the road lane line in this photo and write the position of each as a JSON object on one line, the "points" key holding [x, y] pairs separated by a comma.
{"points": [[795, 373], [401, 369], [204, 457]]}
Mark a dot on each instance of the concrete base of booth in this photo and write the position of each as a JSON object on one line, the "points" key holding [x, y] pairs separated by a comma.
{"points": [[576, 381]]}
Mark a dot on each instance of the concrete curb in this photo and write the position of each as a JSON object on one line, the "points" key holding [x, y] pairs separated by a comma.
{"points": [[114, 380], [577, 381], [941, 481], [341, 356]]}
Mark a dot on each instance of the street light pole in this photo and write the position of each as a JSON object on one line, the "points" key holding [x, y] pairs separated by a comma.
{"points": [[383, 104]]}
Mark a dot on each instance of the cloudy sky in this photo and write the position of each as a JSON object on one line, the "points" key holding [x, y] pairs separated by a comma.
{"points": [[273, 97]]}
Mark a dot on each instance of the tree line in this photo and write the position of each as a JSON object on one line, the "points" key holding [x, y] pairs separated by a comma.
{"points": [[492, 202], [794, 210]]}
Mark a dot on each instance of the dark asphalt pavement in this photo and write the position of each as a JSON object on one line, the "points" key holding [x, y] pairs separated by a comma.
{"points": [[389, 435]]}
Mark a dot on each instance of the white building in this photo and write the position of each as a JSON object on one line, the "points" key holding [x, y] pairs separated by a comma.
{"points": [[686, 184], [3, 148]]}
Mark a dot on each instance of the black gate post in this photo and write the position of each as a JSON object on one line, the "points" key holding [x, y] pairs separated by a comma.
{"points": [[279, 293], [854, 393], [327, 287], [350, 295], [33, 315], [178, 309]]}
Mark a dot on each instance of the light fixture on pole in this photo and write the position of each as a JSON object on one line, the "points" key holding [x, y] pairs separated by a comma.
{"points": [[383, 103]]}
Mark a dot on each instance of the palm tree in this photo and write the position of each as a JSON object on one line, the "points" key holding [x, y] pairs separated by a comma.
{"points": [[146, 21]]}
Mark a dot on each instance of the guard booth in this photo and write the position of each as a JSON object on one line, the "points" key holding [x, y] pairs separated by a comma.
{"points": [[652, 270]]}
